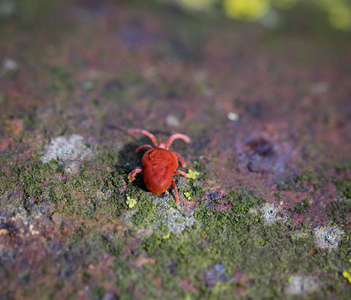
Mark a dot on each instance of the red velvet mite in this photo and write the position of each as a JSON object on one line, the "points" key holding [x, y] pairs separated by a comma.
{"points": [[160, 164]]}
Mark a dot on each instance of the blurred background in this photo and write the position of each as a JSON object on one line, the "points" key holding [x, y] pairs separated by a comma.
{"points": [[263, 89], [320, 14]]}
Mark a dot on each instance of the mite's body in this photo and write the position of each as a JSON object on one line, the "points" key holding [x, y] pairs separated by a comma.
{"points": [[160, 164]]}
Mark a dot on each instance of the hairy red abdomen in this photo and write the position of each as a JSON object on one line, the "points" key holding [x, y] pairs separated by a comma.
{"points": [[159, 166]]}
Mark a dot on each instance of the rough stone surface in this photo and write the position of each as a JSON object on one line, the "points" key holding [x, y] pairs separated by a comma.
{"points": [[266, 212]]}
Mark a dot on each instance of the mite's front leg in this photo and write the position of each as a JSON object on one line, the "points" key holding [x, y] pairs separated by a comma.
{"points": [[175, 191], [175, 187], [181, 173], [182, 162], [143, 147], [132, 174]]}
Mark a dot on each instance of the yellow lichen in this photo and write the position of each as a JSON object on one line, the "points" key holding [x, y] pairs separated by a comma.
{"points": [[347, 275], [340, 16], [130, 202], [166, 236], [4, 231], [187, 195], [193, 174], [339, 13], [250, 10]]}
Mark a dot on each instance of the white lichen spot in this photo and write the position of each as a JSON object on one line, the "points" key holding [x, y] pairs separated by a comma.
{"points": [[253, 211], [319, 87], [7, 8], [176, 221], [328, 237], [9, 65], [32, 231], [164, 217], [271, 213], [88, 85], [299, 285], [172, 121], [271, 19], [103, 194], [68, 151], [232, 116]]}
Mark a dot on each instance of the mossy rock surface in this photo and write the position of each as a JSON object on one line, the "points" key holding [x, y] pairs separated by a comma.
{"points": [[265, 212]]}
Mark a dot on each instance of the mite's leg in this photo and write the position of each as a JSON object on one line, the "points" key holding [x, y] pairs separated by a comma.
{"points": [[190, 204], [132, 174], [177, 136], [150, 135], [181, 173], [182, 162], [174, 185], [175, 191], [143, 147]]}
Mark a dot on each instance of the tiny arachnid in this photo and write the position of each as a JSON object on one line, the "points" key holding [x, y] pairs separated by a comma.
{"points": [[160, 164]]}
